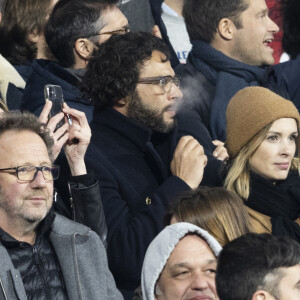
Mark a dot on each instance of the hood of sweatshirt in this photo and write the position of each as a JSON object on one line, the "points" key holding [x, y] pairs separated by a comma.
{"points": [[161, 248]]}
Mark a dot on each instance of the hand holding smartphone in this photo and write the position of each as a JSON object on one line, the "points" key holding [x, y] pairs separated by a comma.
{"points": [[54, 94]]}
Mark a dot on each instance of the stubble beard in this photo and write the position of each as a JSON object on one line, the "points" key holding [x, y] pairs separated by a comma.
{"points": [[28, 214]]}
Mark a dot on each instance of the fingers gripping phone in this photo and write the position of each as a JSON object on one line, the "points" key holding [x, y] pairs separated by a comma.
{"points": [[54, 94]]}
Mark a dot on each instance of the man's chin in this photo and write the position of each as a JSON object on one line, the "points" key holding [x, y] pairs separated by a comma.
{"points": [[35, 217], [268, 59], [168, 125]]}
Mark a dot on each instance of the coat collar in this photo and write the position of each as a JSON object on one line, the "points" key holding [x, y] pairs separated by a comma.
{"points": [[128, 128]]}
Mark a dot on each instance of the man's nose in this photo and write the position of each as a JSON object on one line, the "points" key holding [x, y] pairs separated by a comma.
{"points": [[199, 282], [272, 26], [175, 93], [38, 180]]}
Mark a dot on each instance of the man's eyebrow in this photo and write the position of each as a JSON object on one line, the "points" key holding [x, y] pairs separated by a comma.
{"points": [[264, 12], [188, 265], [43, 163], [180, 265], [211, 261]]}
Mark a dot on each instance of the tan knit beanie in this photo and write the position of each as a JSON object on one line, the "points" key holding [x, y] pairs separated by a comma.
{"points": [[249, 111]]}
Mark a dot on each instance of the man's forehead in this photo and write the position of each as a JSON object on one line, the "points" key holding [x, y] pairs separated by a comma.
{"points": [[112, 15], [255, 6], [23, 145], [18, 134], [291, 274], [156, 56], [189, 248], [156, 65]]}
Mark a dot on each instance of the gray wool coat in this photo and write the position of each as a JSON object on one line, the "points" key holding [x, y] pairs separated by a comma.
{"points": [[83, 263]]}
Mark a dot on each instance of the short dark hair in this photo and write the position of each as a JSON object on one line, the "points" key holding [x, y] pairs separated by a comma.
{"points": [[20, 18], [16, 120], [113, 72], [291, 27], [245, 263], [202, 17], [71, 20]]}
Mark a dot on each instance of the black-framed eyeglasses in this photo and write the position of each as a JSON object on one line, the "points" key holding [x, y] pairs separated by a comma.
{"points": [[29, 173], [165, 82], [122, 30]]}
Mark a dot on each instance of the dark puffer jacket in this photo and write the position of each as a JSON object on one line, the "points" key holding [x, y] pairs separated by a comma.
{"points": [[38, 264]]}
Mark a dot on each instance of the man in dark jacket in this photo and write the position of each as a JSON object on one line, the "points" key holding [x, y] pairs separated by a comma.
{"points": [[75, 28], [133, 148], [84, 193], [230, 51], [43, 255]]}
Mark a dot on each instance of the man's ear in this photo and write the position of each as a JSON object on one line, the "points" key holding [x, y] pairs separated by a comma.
{"points": [[262, 295], [121, 106], [122, 101], [226, 28], [84, 48], [33, 36]]}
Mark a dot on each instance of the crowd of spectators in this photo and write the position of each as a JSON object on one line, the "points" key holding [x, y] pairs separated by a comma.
{"points": [[171, 169]]}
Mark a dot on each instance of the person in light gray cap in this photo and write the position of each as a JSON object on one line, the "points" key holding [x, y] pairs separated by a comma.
{"points": [[180, 263]]}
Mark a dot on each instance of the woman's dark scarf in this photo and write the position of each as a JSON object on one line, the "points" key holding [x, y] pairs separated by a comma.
{"points": [[280, 201], [228, 76]]}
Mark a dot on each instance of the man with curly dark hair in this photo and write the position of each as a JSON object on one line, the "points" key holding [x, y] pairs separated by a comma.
{"points": [[133, 150]]}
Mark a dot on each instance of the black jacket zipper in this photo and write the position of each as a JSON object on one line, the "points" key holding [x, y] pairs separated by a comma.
{"points": [[38, 263]]}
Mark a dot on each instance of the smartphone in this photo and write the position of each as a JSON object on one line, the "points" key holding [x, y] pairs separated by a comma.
{"points": [[54, 94]]}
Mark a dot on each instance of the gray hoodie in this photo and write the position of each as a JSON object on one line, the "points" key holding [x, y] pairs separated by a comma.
{"points": [[161, 248]]}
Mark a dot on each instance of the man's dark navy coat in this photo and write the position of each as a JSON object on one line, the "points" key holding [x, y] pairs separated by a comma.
{"points": [[133, 168]]}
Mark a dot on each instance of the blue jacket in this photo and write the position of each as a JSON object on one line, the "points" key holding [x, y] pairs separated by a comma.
{"points": [[132, 166], [49, 72], [212, 78]]}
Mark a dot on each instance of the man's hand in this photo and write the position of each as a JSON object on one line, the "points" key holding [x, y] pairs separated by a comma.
{"points": [[220, 152], [78, 141], [189, 161], [61, 135]]}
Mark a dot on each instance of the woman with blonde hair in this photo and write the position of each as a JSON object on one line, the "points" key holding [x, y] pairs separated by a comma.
{"points": [[216, 210], [262, 138]]}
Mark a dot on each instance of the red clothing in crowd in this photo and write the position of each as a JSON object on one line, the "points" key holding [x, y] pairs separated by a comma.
{"points": [[275, 15]]}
